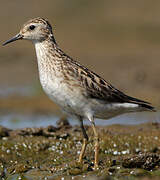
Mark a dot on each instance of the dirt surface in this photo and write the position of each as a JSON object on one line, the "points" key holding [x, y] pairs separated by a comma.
{"points": [[130, 152]]}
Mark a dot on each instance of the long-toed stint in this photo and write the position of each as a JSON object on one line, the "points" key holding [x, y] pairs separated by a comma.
{"points": [[77, 90]]}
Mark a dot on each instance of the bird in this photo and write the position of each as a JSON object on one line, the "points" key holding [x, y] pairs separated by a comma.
{"points": [[79, 91]]}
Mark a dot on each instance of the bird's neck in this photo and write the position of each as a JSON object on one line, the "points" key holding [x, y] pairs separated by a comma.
{"points": [[46, 50], [49, 57]]}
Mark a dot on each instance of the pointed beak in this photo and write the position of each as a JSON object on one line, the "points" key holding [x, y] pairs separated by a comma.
{"points": [[15, 38]]}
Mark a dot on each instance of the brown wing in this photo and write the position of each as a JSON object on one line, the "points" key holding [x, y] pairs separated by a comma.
{"points": [[97, 88]]}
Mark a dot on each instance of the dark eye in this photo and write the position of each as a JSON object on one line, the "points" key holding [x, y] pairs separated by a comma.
{"points": [[31, 27]]}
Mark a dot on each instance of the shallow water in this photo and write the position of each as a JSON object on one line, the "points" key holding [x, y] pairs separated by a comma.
{"points": [[15, 121]]}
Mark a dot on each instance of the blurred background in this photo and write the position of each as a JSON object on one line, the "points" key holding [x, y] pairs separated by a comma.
{"points": [[119, 40]]}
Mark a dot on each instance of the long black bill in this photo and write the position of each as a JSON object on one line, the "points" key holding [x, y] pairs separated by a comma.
{"points": [[15, 38]]}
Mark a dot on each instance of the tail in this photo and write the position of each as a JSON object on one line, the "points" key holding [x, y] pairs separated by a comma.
{"points": [[144, 104], [148, 107]]}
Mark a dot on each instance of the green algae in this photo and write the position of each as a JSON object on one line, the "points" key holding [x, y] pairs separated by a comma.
{"points": [[38, 153]]}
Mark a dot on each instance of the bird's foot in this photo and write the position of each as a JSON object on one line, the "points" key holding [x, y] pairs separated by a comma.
{"points": [[96, 167]]}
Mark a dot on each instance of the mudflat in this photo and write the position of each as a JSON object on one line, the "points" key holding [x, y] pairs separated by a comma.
{"points": [[130, 152]]}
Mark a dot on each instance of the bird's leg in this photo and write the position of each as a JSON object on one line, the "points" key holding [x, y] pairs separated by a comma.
{"points": [[96, 139], [85, 140]]}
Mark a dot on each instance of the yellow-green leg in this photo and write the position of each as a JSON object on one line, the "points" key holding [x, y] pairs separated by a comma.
{"points": [[85, 140], [96, 146]]}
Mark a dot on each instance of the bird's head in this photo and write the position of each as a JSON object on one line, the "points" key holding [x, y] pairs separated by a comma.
{"points": [[36, 30]]}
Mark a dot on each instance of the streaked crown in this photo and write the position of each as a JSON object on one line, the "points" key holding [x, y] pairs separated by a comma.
{"points": [[37, 29]]}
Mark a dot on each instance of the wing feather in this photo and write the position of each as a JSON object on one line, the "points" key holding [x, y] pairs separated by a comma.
{"points": [[97, 88]]}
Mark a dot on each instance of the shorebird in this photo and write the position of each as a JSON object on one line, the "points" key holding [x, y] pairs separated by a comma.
{"points": [[77, 90]]}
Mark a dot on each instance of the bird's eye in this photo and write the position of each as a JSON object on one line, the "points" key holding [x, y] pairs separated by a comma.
{"points": [[31, 27]]}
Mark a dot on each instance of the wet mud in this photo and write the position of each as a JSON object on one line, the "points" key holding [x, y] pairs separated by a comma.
{"points": [[126, 152]]}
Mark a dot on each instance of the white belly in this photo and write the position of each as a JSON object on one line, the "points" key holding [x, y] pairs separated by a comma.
{"points": [[68, 98]]}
